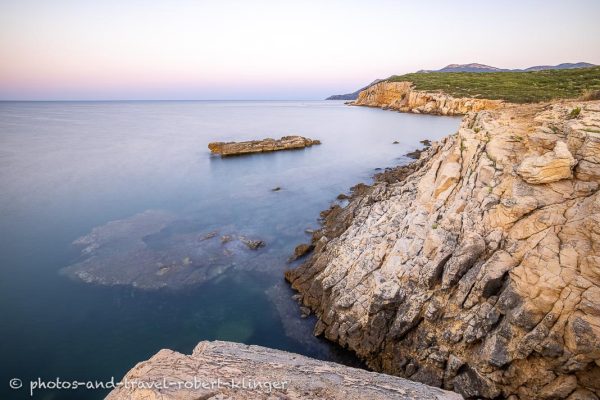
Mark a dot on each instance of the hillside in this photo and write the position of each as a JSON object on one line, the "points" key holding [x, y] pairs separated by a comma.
{"points": [[475, 67], [515, 87]]}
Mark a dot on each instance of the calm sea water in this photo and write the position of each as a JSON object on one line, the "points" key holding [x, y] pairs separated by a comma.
{"points": [[67, 168]]}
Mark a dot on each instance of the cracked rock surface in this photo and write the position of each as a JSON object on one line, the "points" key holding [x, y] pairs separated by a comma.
{"points": [[234, 371], [476, 268]]}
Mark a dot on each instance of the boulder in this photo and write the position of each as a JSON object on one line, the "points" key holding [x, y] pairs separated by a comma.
{"points": [[552, 166]]}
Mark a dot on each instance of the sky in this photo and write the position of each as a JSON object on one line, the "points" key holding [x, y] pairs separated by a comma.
{"points": [[271, 49]]}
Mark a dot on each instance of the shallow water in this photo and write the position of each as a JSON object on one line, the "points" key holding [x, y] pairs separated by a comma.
{"points": [[67, 168]]}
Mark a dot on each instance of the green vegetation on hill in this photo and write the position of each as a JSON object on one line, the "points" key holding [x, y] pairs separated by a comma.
{"points": [[516, 87]]}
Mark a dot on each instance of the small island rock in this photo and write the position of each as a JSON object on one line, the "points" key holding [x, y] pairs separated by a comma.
{"points": [[261, 146]]}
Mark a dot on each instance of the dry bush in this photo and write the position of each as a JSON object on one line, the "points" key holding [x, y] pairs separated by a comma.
{"points": [[590, 94]]}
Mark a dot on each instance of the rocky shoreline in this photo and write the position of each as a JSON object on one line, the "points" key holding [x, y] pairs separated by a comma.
{"points": [[261, 146], [477, 267], [401, 96]]}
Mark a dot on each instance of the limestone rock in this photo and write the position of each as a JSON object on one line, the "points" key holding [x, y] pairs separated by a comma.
{"points": [[477, 267], [401, 96], [261, 146], [225, 370], [551, 167]]}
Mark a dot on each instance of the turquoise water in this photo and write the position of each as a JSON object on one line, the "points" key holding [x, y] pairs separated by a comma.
{"points": [[69, 169]]}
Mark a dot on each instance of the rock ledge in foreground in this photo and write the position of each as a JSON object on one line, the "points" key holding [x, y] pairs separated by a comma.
{"points": [[296, 376], [261, 146]]}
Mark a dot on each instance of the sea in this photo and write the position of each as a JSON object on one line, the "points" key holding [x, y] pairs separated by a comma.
{"points": [[120, 234]]}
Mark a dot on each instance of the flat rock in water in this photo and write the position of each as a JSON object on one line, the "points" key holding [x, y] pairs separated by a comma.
{"points": [[261, 146]]}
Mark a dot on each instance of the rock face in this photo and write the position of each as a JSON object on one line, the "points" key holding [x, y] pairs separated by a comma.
{"points": [[477, 267], [215, 368], [401, 96], [261, 146]]}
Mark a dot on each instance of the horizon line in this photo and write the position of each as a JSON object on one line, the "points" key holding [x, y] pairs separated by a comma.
{"points": [[149, 100]]}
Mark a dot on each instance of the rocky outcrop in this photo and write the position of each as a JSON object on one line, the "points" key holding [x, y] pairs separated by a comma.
{"points": [[401, 96], [261, 146], [476, 268], [225, 370]]}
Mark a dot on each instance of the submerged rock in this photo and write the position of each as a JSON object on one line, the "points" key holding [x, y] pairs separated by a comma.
{"points": [[417, 153], [226, 370], [153, 250], [253, 244], [477, 267], [261, 146], [298, 329]]}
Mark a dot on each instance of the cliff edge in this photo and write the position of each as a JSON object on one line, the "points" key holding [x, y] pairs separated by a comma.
{"points": [[401, 96], [476, 268], [225, 370]]}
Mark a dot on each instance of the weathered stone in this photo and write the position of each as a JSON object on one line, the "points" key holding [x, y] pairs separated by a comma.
{"points": [[560, 388], [582, 394], [488, 245], [401, 96], [225, 370], [261, 146], [550, 167], [301, 250]]}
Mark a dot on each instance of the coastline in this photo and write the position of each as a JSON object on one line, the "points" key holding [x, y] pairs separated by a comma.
{"points": [[456, 309], [401, 96], [426, 273]]}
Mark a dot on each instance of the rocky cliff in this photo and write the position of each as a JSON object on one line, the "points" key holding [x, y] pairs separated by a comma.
{"points": [[401, 96], [476, 268], [225, 370]]}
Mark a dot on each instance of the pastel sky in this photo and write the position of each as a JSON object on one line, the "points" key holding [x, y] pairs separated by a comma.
{"points": [[271, 49]]}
